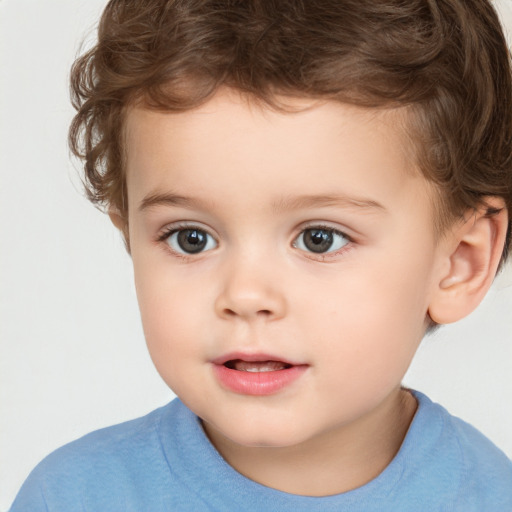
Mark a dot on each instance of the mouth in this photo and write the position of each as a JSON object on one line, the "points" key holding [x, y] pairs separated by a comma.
{"points": [[256, 366], [256, 374]]}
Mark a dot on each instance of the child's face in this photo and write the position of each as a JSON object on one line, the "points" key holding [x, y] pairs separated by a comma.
{"points": [[310, 243]]}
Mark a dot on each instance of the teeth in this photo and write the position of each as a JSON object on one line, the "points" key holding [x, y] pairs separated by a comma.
{"points": [[258, 366], [262, 369]]}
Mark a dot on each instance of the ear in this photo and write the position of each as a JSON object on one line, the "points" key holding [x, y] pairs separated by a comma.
{"points": [[116, 218], [471, 255], [121, 223]]}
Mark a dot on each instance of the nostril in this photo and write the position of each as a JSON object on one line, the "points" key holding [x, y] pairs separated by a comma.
{"points": [[231, 305], [261, 312]]}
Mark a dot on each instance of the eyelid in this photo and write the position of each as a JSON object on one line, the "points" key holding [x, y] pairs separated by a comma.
{"points": [[324, 225], [169, 229]]}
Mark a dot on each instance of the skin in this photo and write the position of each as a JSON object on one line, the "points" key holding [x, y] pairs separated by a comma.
{"points": [[355, 316]]}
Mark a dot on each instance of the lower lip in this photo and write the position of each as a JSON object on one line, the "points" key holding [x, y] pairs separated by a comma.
{"points": [[257, 383]]}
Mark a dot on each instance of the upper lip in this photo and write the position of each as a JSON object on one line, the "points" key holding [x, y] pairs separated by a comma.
{"points": [[256, 357]]}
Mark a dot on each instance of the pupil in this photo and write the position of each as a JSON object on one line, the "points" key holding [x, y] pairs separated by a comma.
{"points": [[318, 240], [192, 240]]}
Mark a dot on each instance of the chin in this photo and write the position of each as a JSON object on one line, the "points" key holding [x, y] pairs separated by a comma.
{"points": [[263, 434]]}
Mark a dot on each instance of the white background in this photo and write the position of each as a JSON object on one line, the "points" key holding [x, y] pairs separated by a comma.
{"points": [[72, 354]]}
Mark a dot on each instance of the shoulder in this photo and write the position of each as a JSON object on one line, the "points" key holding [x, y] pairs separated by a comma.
{"points": [[476, 474], [101, 467], [485, 470], [107, 446]]}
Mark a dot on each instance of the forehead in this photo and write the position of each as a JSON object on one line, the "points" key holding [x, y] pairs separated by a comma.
{"points": [[322, 147], [236, 114]]}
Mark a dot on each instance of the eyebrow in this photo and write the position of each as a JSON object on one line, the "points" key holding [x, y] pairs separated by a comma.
{"points": [[280, 205], [336, 200], [170, 199]]}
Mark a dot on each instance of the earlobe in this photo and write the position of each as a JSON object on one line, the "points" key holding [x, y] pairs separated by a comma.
{"points": [[473, 253]]}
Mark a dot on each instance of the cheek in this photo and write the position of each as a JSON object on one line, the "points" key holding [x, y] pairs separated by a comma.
{"points": [[370, 322], [173, 316], [172, 330]]}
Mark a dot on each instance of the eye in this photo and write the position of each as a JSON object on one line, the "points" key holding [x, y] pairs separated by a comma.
{"points": [[189, 240], [320, 240]]}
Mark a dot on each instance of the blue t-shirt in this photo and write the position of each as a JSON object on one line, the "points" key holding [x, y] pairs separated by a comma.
{"points": [[165, 462]]}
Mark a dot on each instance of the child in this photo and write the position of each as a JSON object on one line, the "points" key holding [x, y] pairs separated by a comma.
{"points": [[305, 189]]}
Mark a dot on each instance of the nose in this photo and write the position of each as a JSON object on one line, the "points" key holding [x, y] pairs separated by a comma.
{"points": [[250, 291]]}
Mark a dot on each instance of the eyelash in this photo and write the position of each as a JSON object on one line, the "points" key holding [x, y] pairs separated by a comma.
{"points": [[331, 254], [168, 232]]}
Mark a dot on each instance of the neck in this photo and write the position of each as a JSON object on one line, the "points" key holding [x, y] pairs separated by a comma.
{"points": [[334, 462]]}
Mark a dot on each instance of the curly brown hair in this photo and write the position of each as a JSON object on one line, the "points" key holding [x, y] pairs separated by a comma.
{"points": [[446, 60]]}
